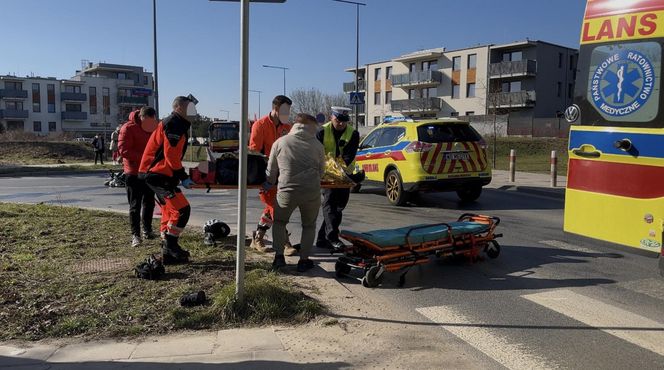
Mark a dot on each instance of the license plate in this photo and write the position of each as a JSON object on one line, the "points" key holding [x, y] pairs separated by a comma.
{"points": [[457, 156]]}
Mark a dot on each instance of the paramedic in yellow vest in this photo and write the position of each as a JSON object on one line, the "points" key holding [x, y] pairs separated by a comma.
{"points": [[340, 140]]}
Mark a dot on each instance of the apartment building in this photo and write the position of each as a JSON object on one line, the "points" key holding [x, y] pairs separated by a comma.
{"points": [[528, 80], [95, 100]]}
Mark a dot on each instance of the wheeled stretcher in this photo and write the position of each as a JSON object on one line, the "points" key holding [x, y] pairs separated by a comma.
{"points": [[378, 251]]}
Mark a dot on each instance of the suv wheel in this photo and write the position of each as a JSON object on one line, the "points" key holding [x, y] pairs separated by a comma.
{"points": [[394, 189], [469, 194]]}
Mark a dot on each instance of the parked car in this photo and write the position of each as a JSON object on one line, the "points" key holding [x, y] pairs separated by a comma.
{"points": [[407, 157]]}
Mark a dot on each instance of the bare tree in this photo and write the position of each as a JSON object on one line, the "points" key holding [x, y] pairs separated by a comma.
{"points": [[314, 101]]}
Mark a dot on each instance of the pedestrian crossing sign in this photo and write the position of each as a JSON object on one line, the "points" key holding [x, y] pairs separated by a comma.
{"points": [[356, 98]]}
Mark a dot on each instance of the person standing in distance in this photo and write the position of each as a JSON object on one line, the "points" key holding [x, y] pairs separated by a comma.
{"points": [[161, 166], [132, 140], [264, 133], [339, 140]]}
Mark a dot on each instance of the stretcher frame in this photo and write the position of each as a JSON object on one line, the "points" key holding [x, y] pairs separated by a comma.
{"points": [[323, 185], [374, 260]]}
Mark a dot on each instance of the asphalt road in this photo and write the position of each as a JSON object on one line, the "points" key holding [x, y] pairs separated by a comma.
{"points": [[550, 300]]}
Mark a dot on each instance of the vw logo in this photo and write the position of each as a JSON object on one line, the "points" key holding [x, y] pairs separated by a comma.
{"points": [[572, 113]]}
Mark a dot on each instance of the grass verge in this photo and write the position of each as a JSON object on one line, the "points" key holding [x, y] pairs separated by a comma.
{"points": [[532, 154], [45, 152], [69, 272], [18, 170]]}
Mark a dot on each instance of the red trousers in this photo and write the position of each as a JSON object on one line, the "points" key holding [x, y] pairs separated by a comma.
{"points": [[174, 214], [268, 198]]}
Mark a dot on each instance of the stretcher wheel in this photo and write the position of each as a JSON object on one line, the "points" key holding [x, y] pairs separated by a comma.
{"points": [[341, 269], [373, 277], [492, 249]]}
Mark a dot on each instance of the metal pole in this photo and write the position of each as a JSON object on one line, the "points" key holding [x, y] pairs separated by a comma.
{"points": [[357, 63], [154, 46], [554, 169], [284, 81], [244, 124], [512, 164]]}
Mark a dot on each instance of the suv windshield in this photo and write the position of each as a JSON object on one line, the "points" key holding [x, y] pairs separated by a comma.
{"points": [[445, 133]]}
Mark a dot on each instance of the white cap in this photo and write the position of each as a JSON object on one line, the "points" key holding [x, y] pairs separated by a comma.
{"points": [[340, 110]]}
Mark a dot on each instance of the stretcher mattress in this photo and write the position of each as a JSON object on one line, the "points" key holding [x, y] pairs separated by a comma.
{"points": [[397, 237]]}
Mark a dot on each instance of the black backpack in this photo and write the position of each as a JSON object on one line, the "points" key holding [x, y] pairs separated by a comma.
{"points": [[151, 269]]}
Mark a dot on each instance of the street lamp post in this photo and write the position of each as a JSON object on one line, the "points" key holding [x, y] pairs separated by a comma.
{"points": [[259, 100], [283, 69], [244, 124], [154, 47], [357, 54]]}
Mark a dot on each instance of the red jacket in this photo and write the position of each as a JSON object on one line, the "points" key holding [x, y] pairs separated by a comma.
{"points": [[166, 148], [264, 133], [131, 143]]}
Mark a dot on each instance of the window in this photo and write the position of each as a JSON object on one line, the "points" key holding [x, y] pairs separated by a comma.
{"points": [[454, 114], [377, 98], [370, 140], [456, 63], [560, 60], [559, 88], [512, 56], [377, 74], [122, 76], [412, 67], [106, 100], [430, 92], [470, 90], [36, 98], [376, 120], [470, 113], [388, 97], [52, 127], [50, 96], [390, 136], [472, 61], [455, 91], [430, 65], [570, 91], [513, 86], [124, 92], [145, 80], [36, 126], [73, 107], [93, 100], [447, 133], [571, 62], [14, 105], [11, 85], [412, 94], [73, 89], [388, 73]]}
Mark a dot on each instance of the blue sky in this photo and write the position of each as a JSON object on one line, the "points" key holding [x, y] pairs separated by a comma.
{"points": [[198, 40]]}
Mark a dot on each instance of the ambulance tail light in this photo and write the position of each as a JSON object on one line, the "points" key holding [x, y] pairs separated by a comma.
{"points": [[483, 144], [418, 147]]}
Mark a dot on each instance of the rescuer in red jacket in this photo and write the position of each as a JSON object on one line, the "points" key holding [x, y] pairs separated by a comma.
{"points": [[161, 166], [133, 139]]}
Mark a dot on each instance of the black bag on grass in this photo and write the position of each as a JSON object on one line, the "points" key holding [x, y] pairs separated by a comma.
{"points": [[151, 269]]}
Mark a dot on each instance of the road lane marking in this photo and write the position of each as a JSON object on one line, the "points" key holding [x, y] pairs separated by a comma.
{"points": [[510, 355], [636, 329], [652, 287], [567, 246]]}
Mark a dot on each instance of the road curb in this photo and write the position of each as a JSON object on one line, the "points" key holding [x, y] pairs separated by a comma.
{"points": [[558, 193], [51, 173]]}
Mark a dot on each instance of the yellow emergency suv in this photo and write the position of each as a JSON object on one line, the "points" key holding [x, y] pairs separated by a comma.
{"points": [[407, 156]]}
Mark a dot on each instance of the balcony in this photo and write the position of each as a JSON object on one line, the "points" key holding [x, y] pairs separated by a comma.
{"points": [[512, 99], [350, 86], [132, 100], [70, 96], [422, 79], [13, 94], [75, 116], [513, 69], [416, 105], [13, 114]]}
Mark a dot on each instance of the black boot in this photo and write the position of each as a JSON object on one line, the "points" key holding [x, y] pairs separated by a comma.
{"points": [[172, 252]]}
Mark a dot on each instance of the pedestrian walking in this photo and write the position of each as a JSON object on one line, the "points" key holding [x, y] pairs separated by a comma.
{"points": [[161, 167], [113, 147], [296, 165], [132, 139], [98, 146], [264, 133], [339, 140]]}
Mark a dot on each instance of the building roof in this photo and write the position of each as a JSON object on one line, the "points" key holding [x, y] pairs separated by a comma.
{"points": [[93, 67], [527, 43], [420, 54]]}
